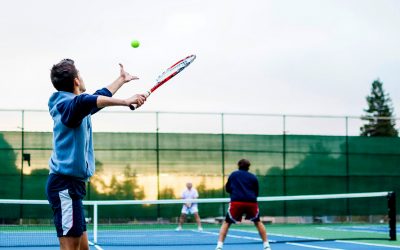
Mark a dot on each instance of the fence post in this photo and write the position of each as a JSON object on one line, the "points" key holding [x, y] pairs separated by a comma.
{"points": [[223, 159], [284, 165], [21, 192], [158, 163], [348, 210]]}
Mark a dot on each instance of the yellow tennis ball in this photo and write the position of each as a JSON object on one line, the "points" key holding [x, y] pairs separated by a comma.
{"points": [[135, 43]]}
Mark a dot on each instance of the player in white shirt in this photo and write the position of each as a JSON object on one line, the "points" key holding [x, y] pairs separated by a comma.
{"points": [[189, 208]]}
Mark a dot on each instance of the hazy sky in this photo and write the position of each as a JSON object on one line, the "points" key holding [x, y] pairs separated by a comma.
{"points": [[296, 57]]}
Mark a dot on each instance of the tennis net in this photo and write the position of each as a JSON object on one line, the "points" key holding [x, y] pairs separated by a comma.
{"points": [[357, 216]]}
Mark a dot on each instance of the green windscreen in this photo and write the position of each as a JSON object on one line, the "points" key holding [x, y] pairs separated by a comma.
{"points": [[141, 166]]}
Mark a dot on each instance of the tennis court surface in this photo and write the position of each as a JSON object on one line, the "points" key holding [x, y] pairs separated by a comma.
{"points": [[330, 231], [240, 237]]}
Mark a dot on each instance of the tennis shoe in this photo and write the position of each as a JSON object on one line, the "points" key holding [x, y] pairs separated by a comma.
{"points": [[200, 229], [218, 248], [179, 228]]}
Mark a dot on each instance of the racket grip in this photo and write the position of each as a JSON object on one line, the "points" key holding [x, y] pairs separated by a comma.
{"points": [[135, 106]]}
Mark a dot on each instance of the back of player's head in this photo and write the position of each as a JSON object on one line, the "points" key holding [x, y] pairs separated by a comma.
{"points": [[63, 74], [244, 164]]}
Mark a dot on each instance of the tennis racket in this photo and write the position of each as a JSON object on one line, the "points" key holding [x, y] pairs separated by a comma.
{"points": [[167, 75]]}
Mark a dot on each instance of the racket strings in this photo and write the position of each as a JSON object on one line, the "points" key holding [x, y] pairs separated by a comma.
{"points": [[176, 68]]}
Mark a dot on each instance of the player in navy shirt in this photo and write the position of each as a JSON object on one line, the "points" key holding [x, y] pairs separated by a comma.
{"points": [[243, 189], [72, 160]]}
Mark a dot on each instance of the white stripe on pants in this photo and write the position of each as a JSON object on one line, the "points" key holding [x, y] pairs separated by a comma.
{"points": [[66, 211]]}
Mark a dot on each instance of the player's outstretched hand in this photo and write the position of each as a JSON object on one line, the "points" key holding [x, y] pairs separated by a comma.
{"points": [[126, 77], [136, 99]]}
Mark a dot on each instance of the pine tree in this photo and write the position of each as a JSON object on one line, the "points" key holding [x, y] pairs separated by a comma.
{"points": [[379, 105]]}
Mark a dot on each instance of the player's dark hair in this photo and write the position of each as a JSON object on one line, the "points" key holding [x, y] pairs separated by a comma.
{"points": [[244, 164], [63, 74]]}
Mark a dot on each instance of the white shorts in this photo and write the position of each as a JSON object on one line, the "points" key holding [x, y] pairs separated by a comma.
{"points": [[190, 210]]}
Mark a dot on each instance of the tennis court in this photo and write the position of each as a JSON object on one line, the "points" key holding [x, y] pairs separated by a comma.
{"points": [[291, 232], [156, 124], [239, 237], [246, 238], [121, 216]]}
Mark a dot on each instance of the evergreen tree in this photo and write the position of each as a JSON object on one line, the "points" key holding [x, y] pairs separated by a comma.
{"points": [[379, 105]]}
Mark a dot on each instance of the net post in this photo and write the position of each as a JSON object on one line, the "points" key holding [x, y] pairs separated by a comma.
{"points": [[95, 223], [392, 215]]}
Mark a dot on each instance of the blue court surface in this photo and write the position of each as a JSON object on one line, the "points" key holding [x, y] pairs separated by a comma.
{"points": [[195, 240]]}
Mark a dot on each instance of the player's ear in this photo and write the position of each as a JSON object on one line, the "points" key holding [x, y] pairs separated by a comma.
{"points": [[77, 82]]}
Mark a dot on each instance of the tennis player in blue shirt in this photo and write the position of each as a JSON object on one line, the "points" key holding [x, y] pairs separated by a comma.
{"points": [[72, 160], [243, 189]]}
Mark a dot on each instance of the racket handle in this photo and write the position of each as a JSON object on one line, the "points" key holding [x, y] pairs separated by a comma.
{"points": [[134, 106]]}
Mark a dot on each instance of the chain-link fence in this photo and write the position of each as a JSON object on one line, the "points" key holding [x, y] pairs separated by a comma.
{"points": [[150, 155]]}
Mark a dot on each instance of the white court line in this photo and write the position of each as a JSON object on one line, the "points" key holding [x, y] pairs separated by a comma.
{"points": [[154, 236], [257, 239], [368, 244], [233, 236], [311, 238], [280, 235], [351, 230], [311, 246], [96, 246]]}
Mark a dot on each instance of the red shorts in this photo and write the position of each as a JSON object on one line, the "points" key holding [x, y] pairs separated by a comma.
{"points": [[237, 209]]}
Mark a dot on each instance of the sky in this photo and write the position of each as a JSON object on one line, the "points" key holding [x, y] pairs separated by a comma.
{"points": [[258, 56]]}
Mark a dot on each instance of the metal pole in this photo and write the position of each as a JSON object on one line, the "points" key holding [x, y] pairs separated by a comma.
{"points": [[223, 160], [158, 163], [347, 169], [284, 165], [347, 157], [21, 194], [95, 221]]}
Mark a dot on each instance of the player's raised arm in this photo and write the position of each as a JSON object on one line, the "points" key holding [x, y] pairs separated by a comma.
{"points": [[105, 101], [123, 78]]}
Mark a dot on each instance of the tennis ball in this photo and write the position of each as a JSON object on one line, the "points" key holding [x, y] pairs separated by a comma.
{"points": [[135, 43]]}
